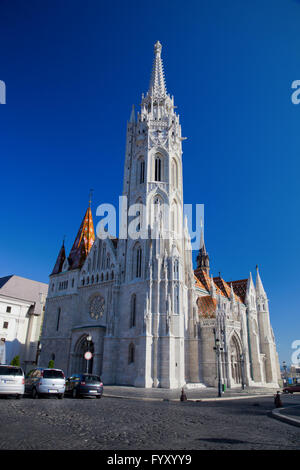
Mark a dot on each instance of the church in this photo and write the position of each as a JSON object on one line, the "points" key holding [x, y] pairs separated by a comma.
{"points": [[136, 302]]}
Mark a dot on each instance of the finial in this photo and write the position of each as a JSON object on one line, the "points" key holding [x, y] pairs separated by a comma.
{"points": [[90, 197], [157, 47], [64, 240]]}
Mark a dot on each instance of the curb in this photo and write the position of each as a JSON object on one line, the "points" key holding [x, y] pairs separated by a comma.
{"points": [[276, 413], [176, 400]]}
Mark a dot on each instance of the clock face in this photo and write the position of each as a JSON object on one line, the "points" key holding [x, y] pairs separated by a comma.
{"points": [[97, 307]]}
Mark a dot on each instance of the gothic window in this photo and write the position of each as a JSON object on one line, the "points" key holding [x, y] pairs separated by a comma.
{"points": [[138, 262], [133, 311], [92, 281], [72, 282], [142, 171], [97, 307], [158, 168], [112, 275], [176, 269], [107, 276], [131, 353], [97, 278], [58, 318], [101, 277]]}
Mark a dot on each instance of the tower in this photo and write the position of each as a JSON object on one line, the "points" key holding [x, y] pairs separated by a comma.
{"points": [[155, 258]]}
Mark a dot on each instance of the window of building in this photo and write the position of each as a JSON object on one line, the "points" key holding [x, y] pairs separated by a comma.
{"points": [[8, 309], [138, 262], [133, 311], [58, 318], [5, 324], [131, 353], [157, 175], [142, 172]]}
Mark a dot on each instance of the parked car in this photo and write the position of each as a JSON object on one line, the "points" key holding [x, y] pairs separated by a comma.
{"points": [[11, 380], [292, 389], [80, 385], [41, 381]]}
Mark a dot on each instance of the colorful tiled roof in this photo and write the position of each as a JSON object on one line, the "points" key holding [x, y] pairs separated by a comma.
{"points": [[83, 242], [240, 288], [207, 306]]}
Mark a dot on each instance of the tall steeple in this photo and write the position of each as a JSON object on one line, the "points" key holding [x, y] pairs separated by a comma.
{"points": [[83, 241], [157, 87]]}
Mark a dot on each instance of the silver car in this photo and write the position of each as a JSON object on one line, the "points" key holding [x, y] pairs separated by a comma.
{"points": [[11, 380], [40, 381]]}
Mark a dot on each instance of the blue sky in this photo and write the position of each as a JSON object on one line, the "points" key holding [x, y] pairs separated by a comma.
{"points": [[73, 69]]}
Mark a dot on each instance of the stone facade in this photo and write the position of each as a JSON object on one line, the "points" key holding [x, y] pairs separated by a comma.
{"points": [[154, 321]]}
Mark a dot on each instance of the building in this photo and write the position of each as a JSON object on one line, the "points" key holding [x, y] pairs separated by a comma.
{"points": [[154, 321], [22, 305]]}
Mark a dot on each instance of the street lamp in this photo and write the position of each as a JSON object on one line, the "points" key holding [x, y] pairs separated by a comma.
{"points": [[88, 339], [218, 350], [285, 373], [242, 367]]}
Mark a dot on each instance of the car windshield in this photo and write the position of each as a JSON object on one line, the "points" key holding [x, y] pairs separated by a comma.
{"points": [[5, 370], [91, 379], [53, 374]]}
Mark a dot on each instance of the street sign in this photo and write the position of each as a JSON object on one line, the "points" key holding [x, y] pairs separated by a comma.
{"points": [[88, 355]]}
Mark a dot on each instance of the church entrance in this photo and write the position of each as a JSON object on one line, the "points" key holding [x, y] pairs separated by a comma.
{"points": [[235, 359], [80, 364]]}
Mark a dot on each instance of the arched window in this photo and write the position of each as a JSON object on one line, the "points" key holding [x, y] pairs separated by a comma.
{"points": [[158, 168], [132, 311], [101, 277], [176, 299], [131, 353], [108, 260], [112, 275]]}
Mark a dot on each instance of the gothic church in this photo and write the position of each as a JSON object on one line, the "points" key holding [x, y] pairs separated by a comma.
{"points": [[153, 320]]}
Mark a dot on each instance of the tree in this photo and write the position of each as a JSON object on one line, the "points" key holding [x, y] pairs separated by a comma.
{"points": [[51, 364], [15, 361]]}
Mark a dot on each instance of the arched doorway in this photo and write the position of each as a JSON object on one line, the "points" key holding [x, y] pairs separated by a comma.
{"points": [[235, 360], [81, 365]]}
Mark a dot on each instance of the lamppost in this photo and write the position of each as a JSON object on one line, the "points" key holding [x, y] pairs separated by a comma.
{"points": [[218, 350], [88, 354], [285, 373], [242, 367]]}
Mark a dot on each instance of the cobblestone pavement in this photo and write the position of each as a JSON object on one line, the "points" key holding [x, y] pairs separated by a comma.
{"points": [[120, 424]]}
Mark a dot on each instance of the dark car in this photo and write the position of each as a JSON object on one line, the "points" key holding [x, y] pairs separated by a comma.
{"points": [[292, 389], [80, 385]]}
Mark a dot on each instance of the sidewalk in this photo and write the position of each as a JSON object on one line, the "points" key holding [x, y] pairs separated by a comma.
{"points": [[203, 394], [290, 414]]}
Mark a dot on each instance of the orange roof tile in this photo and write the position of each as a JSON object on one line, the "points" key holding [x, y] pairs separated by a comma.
{"points": [[207, 306]]}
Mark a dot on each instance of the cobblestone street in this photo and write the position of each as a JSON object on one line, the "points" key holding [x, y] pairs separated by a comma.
{"points": [[122, 424]]}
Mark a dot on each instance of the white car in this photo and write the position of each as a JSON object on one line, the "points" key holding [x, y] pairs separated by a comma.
{"points": [[12, 380], [41, 381]]}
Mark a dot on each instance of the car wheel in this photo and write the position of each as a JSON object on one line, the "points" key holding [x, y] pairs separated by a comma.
{"points": [[60, 396], [98, 396], [19, 396]]}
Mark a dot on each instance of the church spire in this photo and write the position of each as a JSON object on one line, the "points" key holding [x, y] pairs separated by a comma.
{"points": [[203, 258], [260, 291], [157, 87], [83, 241], [60, 260]]}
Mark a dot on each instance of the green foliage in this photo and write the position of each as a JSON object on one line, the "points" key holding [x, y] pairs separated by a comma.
{"points": [[51, 364], [15, 361]]}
